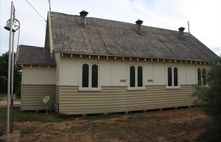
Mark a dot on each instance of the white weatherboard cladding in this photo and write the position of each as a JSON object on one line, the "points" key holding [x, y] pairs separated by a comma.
{"points": [[112, 71]]}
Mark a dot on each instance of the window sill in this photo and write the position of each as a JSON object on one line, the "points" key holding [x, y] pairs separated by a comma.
{"points": [[172, 87], [137, 89], [89, 90]]}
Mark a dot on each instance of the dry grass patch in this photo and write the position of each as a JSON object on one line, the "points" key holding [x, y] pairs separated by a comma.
{"points": [[184, 125]]}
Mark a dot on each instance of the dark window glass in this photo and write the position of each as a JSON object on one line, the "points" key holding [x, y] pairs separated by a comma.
{"points": [[175, 76], [140, 76], [85, 75], [199, 77], [169, 76], [204, 76], [132, 76], [94, 76]]}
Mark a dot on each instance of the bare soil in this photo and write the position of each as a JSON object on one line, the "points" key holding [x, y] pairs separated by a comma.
{"points": [[182, 125]]}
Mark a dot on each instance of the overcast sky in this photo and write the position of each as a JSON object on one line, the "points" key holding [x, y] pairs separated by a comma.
{"points": [[204, 17]]}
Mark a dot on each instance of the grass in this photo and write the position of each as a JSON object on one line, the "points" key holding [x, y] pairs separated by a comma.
{"points": [[17, 100], [21, 116], [3, 96], [26, 130], [131, 127]]}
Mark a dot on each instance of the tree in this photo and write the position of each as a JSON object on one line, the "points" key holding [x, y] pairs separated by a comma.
{"points": [[3, 84], [209, 97], [18, 91], [4, 70]]}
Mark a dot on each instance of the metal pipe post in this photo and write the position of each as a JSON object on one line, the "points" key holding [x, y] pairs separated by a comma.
{"points": [[9, 72], [12, 81]]}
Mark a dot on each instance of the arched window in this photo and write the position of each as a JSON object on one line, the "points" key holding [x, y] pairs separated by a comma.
{"points": [[94, 76], [199, 76], [204, 76], [175, 77], [136, 76], [172, 76], [140, 76], [132, 76], [85, 75], [90, 76], [169, 76]]}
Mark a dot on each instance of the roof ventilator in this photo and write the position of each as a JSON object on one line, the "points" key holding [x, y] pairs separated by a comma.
{"points": [[83, 15], [139, 23], [181, 29]]}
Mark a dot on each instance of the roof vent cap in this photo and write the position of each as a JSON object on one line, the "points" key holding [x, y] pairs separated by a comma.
{"points": [[181, 29], [83, 15], [139, 22]]}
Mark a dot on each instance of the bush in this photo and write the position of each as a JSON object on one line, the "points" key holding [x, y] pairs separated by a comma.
{"points": [[209, 97], [3, 84], [18, 92]]}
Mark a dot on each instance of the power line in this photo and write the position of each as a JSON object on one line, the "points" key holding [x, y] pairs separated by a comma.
{"points": [[36, 11]]}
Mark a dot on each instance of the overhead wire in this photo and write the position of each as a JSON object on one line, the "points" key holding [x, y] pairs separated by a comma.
{"points": [[36, 11]]}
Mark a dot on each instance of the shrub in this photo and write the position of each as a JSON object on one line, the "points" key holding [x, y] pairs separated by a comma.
{"points": [[209, 97], [18, 92], [3, 84]]}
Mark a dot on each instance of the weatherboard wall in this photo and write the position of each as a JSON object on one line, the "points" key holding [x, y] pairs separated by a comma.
{"points": [[37, 81], [119, 99], [114, 95], [32, 96]]}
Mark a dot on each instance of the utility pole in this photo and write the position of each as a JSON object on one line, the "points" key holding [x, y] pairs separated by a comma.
{"points": [[49, 5], [9, 68], [12, 25]]}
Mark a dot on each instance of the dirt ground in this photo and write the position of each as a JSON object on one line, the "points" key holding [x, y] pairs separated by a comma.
{"points": [[182, 125]]}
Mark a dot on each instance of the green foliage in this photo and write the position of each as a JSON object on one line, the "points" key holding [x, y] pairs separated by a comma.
{"points": [[3, 84], [3, 96], [4, 70], [18, 91], [22, 116], [209, 97]]}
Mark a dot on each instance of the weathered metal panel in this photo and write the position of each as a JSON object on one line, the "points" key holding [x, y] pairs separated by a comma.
{"points": [[34, 56], [108, 37]]}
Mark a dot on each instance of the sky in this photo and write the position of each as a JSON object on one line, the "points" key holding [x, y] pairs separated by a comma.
{"points": [[204, 17]]}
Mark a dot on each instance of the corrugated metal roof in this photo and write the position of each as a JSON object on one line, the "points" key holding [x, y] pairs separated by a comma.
{"points": [[107, 37], [32, 55]]}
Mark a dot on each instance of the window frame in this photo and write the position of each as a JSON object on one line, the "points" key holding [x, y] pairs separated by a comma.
{"points": [[172, 77], [136, 77], [201, 76], [90, 88]]}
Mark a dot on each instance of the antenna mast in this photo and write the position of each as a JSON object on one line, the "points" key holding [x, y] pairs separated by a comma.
{"points": [[188, 26], [49, 5]]}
